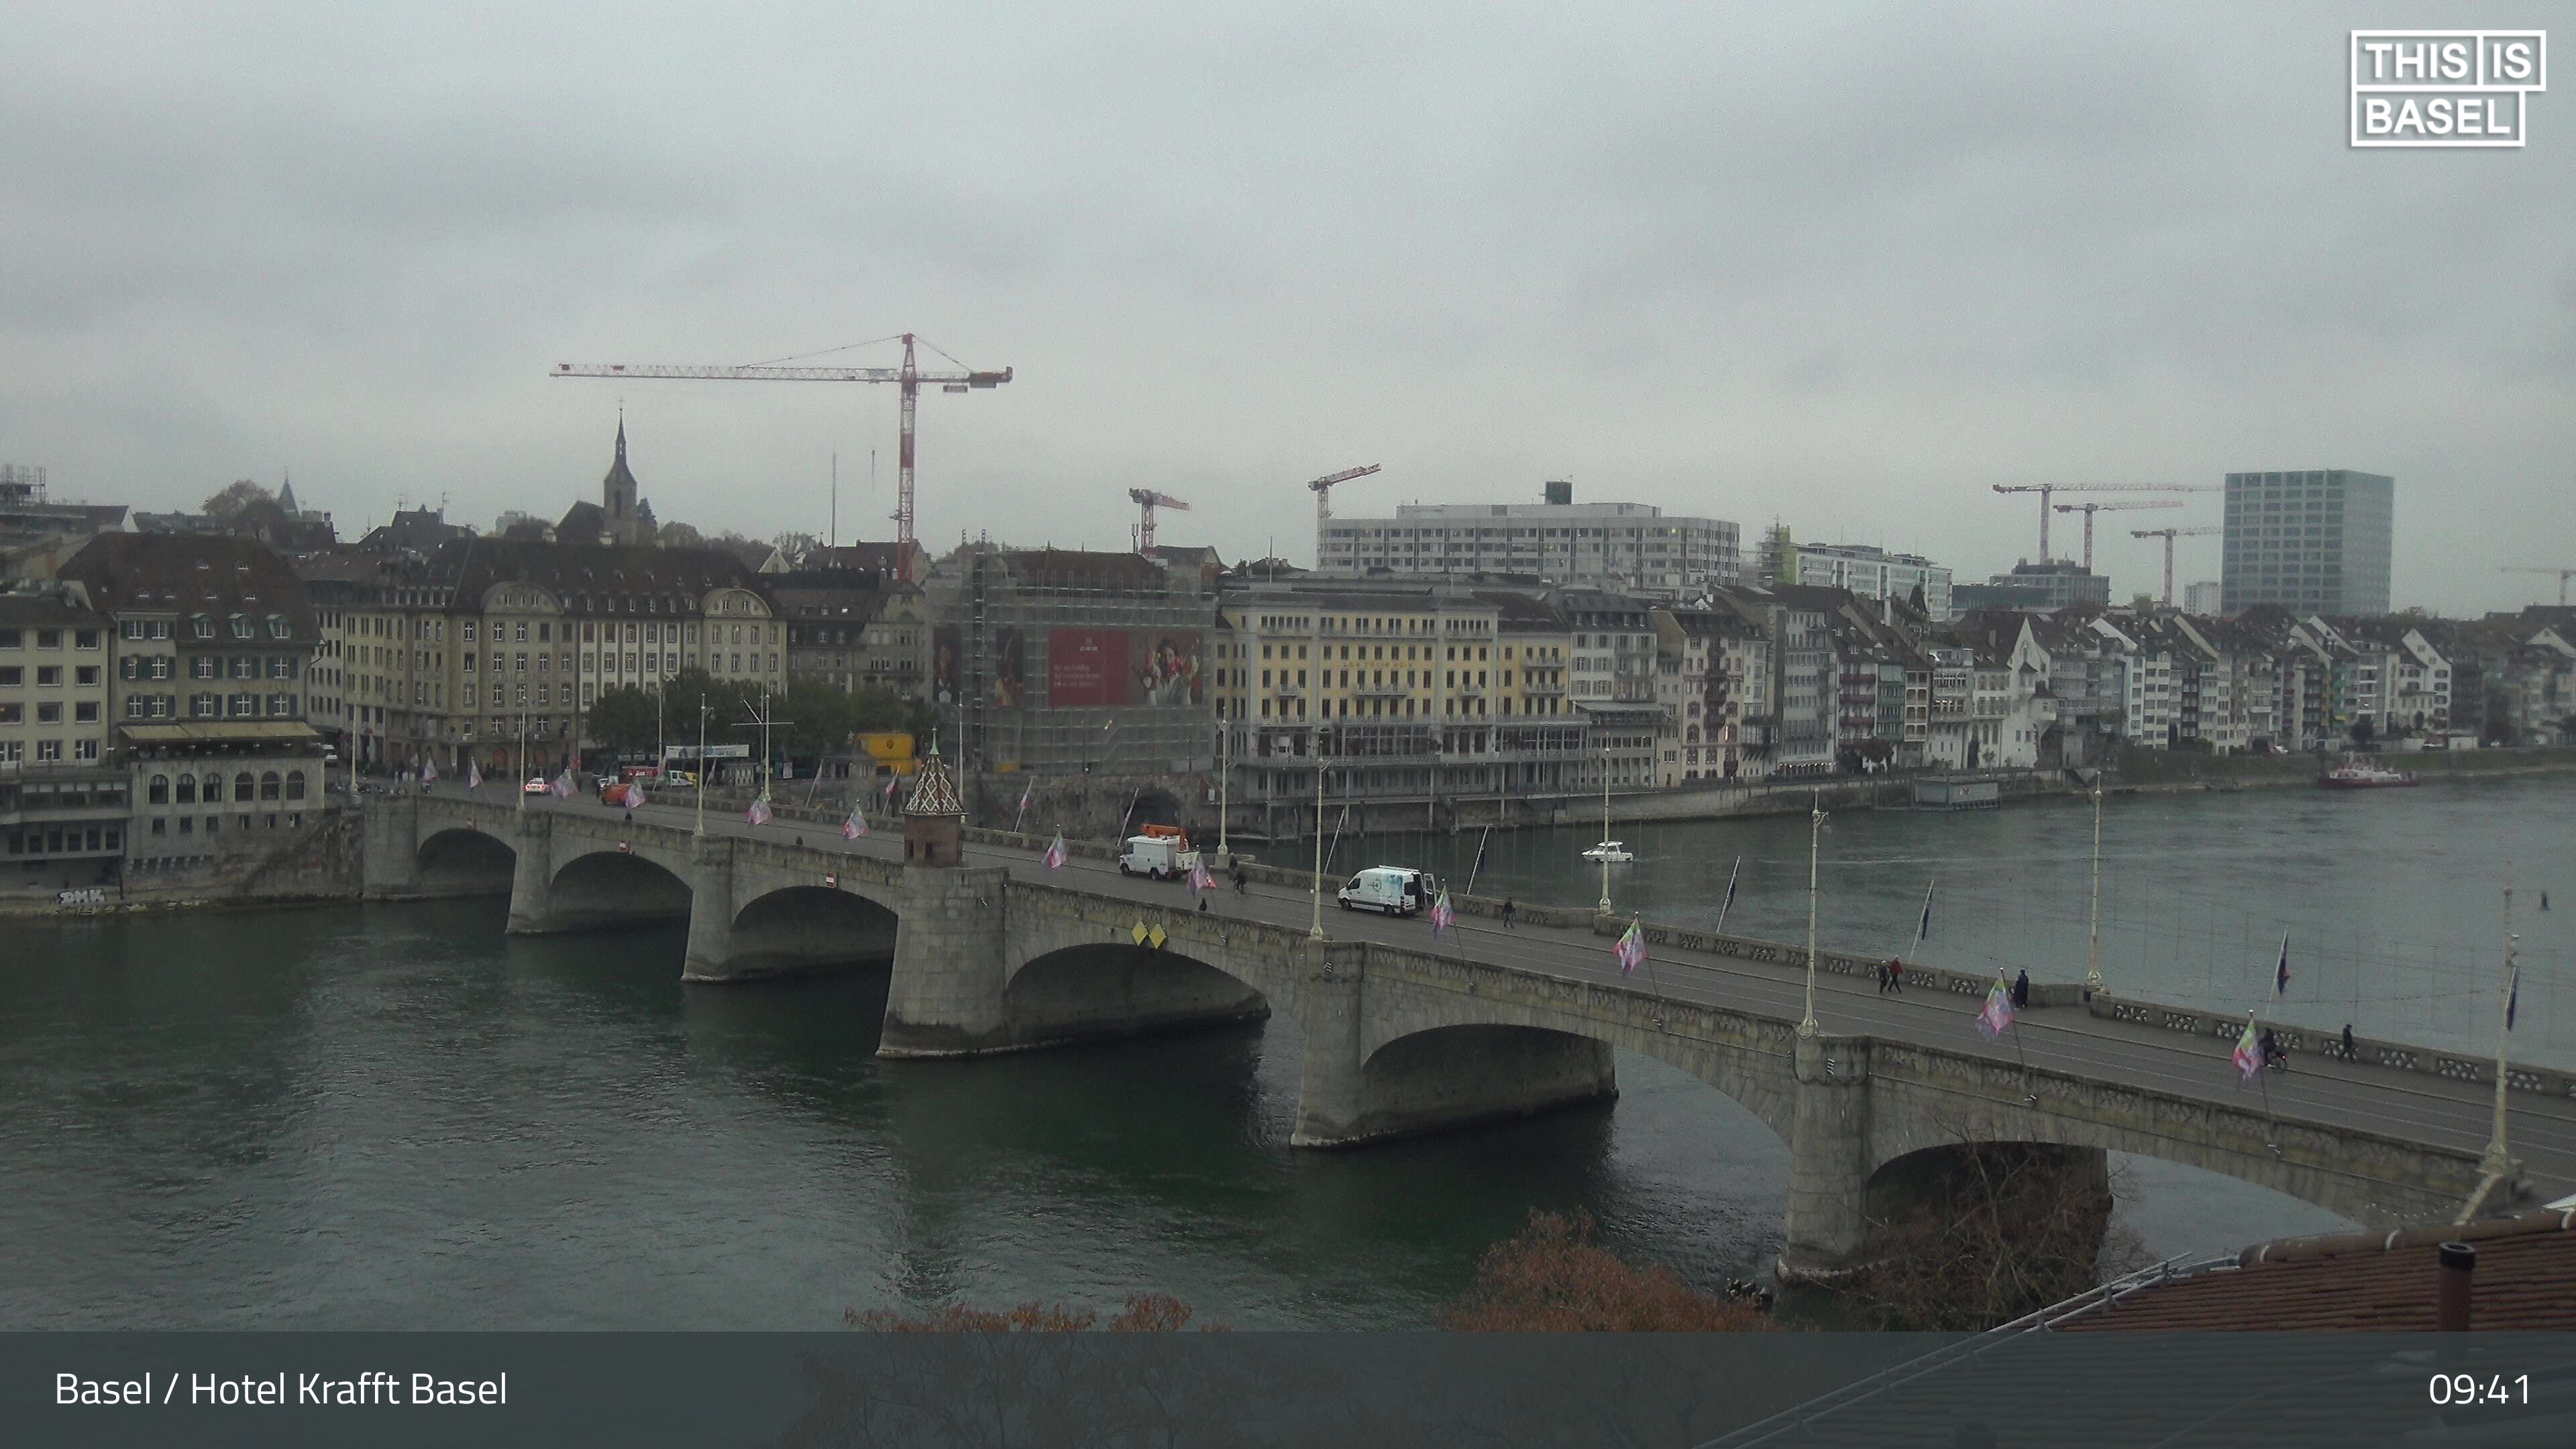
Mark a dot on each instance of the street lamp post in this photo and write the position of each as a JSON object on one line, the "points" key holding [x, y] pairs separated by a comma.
{"points": [[2093, 966], [519, 786], [701, 762], [2497, 1162], [1815, 841], [1315, 932], [1605, 831], [1224, 771]]}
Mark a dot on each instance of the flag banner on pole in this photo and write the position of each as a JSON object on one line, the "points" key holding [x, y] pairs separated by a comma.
{"points": [[1022, 813], [1631, 950], [854, 827], [634, 794], [2281, 973], [1442, 916], [428, 771], [563, 784], [1054, 857], [1923, 929], [758, 814], [473, 777], [1998, 1012], [1200, 880], [889, 789], [2248, 1055], [2512, 995], [1728, 904]]}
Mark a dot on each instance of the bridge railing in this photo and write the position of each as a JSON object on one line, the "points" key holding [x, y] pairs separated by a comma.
{"points": [[2367, 1051]]}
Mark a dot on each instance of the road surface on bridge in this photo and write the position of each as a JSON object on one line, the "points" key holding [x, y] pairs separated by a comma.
{"points": [[2420, 1107]]}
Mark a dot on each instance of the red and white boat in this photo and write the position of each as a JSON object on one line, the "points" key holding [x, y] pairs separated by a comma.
{"points": [[2360, 774]]}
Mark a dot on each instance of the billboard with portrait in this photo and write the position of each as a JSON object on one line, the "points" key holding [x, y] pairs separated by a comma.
{"points": [[1167, 667]]}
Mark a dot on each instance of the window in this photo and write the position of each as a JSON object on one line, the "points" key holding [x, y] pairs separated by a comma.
{"points": [[202, 627], [87, 676], [269, 785], [85, 712], [49, 714], [187, 790], [49, 750], [245, 786], [85, 749], [49, 676], [158, 792], [295, 784], [240, 626], [278, 628]]}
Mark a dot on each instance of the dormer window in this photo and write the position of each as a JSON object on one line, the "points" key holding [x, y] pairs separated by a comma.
{"points": [[202, 627], [241, 626], [278, 628]]}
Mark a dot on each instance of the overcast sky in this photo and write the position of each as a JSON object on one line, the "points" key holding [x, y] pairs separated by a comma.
{"points": [[1843, 266]]}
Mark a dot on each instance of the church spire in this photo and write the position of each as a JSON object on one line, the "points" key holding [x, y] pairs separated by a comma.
{"points": [[621, 430]]}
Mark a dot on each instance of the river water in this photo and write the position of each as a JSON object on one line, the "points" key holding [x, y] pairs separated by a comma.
{"points": [[396, 1117]]}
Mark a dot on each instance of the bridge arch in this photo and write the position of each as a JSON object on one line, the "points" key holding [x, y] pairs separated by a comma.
{"points": [[1116, 988], [463, 862], [2296, 1161], [810, 927], [1744, 1059], [605, 889]]}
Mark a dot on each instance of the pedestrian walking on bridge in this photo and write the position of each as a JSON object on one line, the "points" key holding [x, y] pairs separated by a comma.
{"points": [[1509, 913], [2021, 992]]}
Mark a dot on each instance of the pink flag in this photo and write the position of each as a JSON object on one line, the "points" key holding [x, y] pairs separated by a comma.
{"points": [[1022, 812], [428, 771], [758, 814], [1054, 856], [889, 789], [1998, 1012], [1200, 880], [854, 827], [1442, 916], [1631, 950], [2248, 1055], [473, 776], [562, 787]]}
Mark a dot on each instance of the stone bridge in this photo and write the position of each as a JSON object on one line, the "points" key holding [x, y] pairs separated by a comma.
{"points": [[1396, 1039]]}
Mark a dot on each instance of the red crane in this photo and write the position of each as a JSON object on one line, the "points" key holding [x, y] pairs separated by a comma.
{"points": [[2047, 490], [1149, 500], [909, 376], [2169, 535]]}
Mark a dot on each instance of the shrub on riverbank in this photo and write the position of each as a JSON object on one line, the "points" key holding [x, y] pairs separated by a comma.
{"points": [[1551, 1277]]}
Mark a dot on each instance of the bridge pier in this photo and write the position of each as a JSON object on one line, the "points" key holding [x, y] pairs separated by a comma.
{"points": [[532, 875], [390, 828], [1827, 1225], [951, 956], [1427, 1081], [711, 909]]}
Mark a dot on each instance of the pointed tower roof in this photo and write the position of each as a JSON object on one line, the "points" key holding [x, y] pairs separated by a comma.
{"points": [[934, 790], [286, 494], [617, 470]]}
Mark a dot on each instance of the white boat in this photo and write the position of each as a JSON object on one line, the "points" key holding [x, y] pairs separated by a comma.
{"points": [[1610, 852]]}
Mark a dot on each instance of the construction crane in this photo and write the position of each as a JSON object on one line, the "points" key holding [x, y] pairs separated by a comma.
{"points": [[908, 376], [2047, 491], [1149, 500], [2169, 535], [1324, 501], [2089, 509], [2563, 576]]}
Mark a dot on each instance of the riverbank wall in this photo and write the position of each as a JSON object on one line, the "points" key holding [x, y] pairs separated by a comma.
{"points": [[319, 863]]}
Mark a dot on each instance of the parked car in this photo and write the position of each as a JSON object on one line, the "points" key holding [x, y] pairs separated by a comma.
{"points": [[679, 777], [1397, 890], [536, 785]]}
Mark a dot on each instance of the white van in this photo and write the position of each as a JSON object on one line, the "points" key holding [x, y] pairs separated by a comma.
{"points": [[1398, 890]]}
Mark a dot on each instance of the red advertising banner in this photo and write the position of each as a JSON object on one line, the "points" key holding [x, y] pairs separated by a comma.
{"points": [[1087, 668]]}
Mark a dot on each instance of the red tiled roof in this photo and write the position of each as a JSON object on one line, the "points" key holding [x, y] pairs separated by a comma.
{"points": [[2525, 1280]]}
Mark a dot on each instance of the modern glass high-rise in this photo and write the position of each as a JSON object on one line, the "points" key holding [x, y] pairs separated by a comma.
{"points": [[2313, 542]]}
